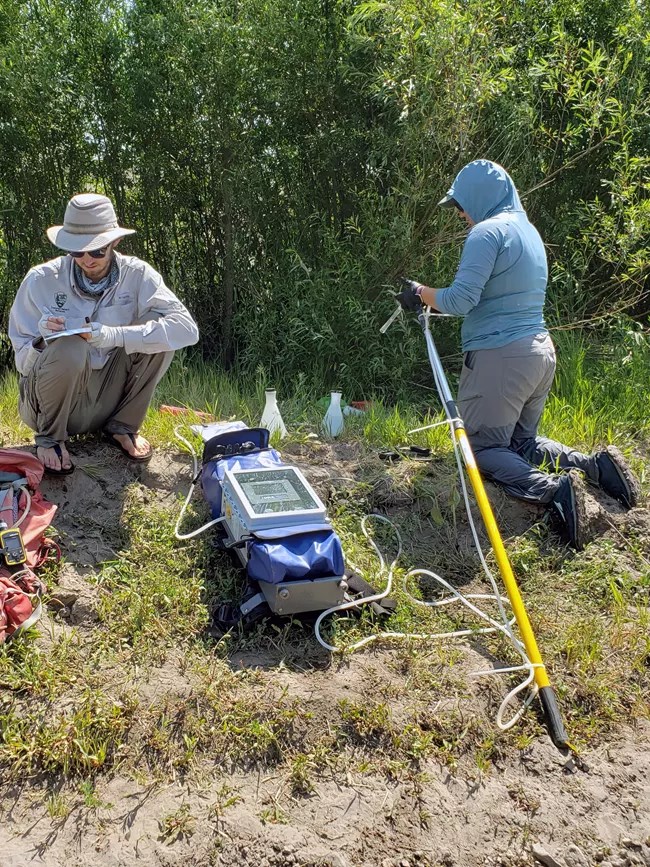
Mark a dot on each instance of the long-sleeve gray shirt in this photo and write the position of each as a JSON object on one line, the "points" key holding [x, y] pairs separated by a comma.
{"points": [[50, 289]]}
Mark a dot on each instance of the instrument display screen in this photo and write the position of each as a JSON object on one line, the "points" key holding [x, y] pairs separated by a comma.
{"points": [[279, 490]]}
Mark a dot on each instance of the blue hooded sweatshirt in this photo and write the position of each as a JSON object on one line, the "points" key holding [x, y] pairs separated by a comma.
{"points": [[500, 285]]}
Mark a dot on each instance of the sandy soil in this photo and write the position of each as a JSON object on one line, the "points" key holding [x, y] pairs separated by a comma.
{"points": [[534, 808]]}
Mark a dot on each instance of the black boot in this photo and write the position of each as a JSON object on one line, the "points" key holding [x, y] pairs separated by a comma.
{"points": [[568, 505], [616, 478]]}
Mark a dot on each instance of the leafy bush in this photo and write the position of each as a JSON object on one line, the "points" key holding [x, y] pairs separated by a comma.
{"points": [[282, 160]]}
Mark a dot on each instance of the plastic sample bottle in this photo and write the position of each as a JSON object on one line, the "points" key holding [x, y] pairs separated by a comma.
{"points": [[333, 420], [271, 418]]}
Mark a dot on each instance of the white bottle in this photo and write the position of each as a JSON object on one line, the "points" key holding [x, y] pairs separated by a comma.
{"points": [[271, 418], [333, 420]]}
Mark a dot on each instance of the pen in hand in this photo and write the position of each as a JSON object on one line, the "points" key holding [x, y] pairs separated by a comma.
{"points": [[88, 334], [52, 323]]}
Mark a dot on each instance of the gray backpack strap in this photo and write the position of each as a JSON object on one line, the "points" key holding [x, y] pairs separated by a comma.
{"points": [[12, 480]]}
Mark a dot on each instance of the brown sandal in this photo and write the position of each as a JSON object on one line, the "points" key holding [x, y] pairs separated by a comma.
{"points": [[51, 471], [138, 459]]}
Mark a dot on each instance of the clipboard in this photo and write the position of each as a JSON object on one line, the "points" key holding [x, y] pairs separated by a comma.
{"points": [[86, 329]]}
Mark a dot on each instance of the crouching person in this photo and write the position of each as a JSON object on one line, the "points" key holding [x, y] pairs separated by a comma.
{"points": [[509, 360], [102, 379]]}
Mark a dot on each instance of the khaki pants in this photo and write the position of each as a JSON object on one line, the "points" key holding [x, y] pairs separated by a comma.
{"points": [[62, 395], [501, 398]]}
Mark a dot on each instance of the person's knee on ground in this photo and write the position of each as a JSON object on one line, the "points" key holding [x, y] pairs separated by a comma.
{"points": [[515, 475]]}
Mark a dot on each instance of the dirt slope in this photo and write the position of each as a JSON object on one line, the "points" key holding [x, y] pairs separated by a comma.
{"points": [[530, 806]]}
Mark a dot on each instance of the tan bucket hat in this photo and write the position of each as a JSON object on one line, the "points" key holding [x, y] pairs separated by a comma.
{"points": [[89, 224]]}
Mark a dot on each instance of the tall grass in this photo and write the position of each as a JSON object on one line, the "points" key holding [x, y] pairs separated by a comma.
{"points": [[600, 392], [599, 396]]}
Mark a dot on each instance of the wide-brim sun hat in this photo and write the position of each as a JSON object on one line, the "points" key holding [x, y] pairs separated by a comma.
{"points": [[89, 223]]}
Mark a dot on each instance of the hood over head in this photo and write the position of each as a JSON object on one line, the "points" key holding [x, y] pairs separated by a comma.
{"points": [[482, 189]]}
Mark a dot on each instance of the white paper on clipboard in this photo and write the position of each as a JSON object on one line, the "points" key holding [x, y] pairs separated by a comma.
{"points": [[86, 329]]}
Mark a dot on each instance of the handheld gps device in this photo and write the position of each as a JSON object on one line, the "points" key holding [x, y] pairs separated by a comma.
{"points": [[12, 547]]}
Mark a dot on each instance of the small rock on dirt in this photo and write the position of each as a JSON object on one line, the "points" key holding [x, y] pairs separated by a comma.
{"points": [[62, 597], [543, 857], [575, 857], [631, 844]]}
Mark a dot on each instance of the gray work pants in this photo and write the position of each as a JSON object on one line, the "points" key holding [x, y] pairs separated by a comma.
{"points": [[62, 395], [501, 397]]}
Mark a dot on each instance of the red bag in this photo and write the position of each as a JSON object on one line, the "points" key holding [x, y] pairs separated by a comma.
{"points": [[16, 609], [14, 500], [22, 505]]}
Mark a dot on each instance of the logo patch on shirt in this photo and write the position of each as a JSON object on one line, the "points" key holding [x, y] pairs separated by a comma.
{"points": [[60, 299]]}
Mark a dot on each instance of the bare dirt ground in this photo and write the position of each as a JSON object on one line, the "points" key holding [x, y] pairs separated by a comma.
{"points": [[530, 806]]}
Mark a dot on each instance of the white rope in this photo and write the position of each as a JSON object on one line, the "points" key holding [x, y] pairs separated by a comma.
{"points": [[505, 626], [429, 426], [26, 510], [195, 472]]}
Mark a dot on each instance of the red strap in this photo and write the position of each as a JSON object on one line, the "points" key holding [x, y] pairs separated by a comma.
{"points": [[16, 607]]}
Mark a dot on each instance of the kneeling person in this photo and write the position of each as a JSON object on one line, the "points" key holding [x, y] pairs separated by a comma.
{"points": [[103, 379]]}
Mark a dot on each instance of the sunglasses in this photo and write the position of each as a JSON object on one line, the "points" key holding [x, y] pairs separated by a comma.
{"points": [[94, 254]]}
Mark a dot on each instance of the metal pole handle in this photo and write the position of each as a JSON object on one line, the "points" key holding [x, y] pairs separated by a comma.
{"points": [[547, 696]]}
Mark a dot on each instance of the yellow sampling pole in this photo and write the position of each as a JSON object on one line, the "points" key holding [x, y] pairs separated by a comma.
{"points": [[546, 693]]}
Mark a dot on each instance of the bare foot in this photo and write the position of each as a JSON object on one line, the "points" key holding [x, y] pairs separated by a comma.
{"points": [[138, 449], [50, 459]]}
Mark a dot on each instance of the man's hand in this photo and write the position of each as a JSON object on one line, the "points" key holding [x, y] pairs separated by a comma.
{"points": [[106, 336], [48, 324], [409, 298], [87, 335]]}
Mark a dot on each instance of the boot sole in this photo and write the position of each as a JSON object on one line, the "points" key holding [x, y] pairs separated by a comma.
{"points": [[626, 476], [578, 497]]}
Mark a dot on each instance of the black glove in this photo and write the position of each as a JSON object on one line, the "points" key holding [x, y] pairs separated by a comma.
{"points": [[408, 297]]}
